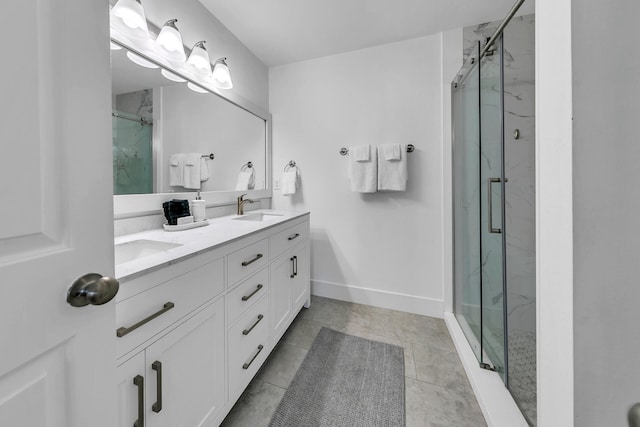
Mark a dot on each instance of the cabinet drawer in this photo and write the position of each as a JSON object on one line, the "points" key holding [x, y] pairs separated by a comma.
{"points": [[288, 238], [142, 316], [247, 261], [246, 294], [248, 345]]}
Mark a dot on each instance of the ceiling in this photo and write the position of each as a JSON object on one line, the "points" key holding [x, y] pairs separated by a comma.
{"points": [[284, 31]]}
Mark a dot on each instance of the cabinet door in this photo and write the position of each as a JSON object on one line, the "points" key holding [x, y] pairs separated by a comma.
{"points": [[185, 372], [281, 281], [301, 281], [131, 405]]}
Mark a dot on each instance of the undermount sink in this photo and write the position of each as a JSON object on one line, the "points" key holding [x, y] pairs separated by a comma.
{"points": [[259, 216], [125, 252]]}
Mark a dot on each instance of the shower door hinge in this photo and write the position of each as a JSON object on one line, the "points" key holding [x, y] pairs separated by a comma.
{"points": [[487, 367]]}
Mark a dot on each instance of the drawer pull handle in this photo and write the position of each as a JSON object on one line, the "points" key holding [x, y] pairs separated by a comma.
{"points": [[246, 297], [246, 263], [157, 366], [295, 265], [294, 236], [246, 365], [246, 331], [120, 332], [293, 271], [138, 380]]}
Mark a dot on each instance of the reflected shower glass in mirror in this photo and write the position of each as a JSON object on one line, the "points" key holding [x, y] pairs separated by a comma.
{"points": [[160, 125]]}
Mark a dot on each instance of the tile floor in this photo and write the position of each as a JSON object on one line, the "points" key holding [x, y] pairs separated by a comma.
{"points": [[438, 393]]}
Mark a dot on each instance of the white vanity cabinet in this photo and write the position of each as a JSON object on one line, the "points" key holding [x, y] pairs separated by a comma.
{"points": [[192, 333]]}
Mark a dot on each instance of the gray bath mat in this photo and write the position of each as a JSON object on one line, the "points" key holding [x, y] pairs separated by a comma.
{"points": [[345, 381]]}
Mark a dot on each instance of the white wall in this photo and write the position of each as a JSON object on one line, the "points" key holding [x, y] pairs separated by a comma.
{"points": [[249, 74], [606, 201], [383, 249]]}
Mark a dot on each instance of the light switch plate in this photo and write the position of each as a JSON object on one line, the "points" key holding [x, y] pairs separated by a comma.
{"points": [[276, 184]]}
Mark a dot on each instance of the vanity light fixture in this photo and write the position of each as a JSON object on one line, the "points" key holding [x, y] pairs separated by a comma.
{"points": [[137, 59], [196, 88], [221, 75], [199, 58], [171, 76], [115, 46], [131, 14], [169, 42]]}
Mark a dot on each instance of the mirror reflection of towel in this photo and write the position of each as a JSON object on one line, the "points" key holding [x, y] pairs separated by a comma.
{"points": [[246, 180], [176, 169], [192, 171]]}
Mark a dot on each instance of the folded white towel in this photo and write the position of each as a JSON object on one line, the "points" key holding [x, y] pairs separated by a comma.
{"points": [[192, 171], [392, 174], [391, 151], [290, 182], [246, 179], [176, 169], [363, 174], [360, 153]]}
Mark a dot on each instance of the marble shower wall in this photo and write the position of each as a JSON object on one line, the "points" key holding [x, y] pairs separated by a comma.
{"points": [[519, 100]]}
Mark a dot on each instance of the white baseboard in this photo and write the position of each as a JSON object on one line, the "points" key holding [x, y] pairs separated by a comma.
{"points": [[497, 404], [384, 299]]}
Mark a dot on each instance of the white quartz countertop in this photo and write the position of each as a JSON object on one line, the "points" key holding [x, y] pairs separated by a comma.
{"points": [[197, 240]]}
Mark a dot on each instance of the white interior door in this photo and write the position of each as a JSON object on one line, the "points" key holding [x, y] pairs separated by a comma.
{"points": [[57, 362]]}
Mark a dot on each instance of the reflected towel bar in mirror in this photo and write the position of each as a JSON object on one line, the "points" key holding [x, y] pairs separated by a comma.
{"points": [[208, 156]]}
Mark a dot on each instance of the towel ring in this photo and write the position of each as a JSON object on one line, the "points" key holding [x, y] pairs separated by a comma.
{"points": [[247, 165], [291, 164]]}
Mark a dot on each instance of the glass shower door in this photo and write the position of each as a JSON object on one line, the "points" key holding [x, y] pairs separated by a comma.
{"points": [[492, 208]]}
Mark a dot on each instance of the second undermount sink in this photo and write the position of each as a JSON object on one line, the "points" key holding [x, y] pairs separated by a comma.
{"points": [[259, 216], [125, 252]]}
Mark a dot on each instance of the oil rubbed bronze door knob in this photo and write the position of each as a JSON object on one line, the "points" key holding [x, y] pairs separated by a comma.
{"points": [[92, 288]]}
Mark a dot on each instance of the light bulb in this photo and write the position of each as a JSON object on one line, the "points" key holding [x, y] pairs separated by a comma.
{"points": [[199, 58], [196, 88], [169, 42], [137, 59], [221, 75], [115, 46], [131, 13], [171, 76]]}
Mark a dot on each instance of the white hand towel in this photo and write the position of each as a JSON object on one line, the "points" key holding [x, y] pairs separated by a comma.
{"points": [[176, 169], [391, 151], [392, 174], [290, 182], [363, 174], [204, 169], [192, 171], [360, 153], [244, 180]]}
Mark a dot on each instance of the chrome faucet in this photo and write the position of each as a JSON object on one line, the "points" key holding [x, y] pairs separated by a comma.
{"points": [[241, 202]]}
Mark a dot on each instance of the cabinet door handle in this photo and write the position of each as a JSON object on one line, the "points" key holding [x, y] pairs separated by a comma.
{"points": [[246, 331], [246, 297], [295, 265], [138, 380], [292, 268], [294, 236], [246, 365], [246, 263], [157, 366], [120, 332]]}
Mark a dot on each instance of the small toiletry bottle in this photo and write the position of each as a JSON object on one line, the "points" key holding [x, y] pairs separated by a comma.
{"points": [[198, 209]]}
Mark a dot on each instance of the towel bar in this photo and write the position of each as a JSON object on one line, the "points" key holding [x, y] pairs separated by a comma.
{"points": [[344, 151], [208, 156]]}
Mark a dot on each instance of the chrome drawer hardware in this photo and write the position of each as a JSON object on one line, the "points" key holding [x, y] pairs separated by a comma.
{"points": [[294, 236], [246, 365], [246, 297], [157, 366], [293, 274], [247, 331], [138, 380], [295, 265], [122, 331], [246, 263]]}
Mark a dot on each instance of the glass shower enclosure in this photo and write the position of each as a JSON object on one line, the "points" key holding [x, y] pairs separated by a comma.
{"points": [[493, 209]]}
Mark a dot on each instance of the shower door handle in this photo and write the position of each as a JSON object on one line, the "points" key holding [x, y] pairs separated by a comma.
{"points": [[490, 182]]}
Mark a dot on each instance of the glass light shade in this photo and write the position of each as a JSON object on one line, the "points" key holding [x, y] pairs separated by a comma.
{"points": [[199, 58], [169, 42], [171, 76], [131, 14], [196, 88], [115, 46], [137, 59], [221, 75]]}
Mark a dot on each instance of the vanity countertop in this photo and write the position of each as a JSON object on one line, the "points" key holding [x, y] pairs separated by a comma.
{"points": [[220, 231]]}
